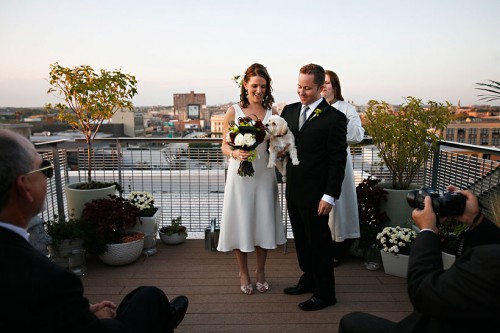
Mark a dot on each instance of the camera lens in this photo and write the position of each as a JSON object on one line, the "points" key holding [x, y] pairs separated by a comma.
{"points": [[411, 198]]}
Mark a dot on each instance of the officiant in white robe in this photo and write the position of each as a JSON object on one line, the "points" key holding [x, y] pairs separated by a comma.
{"points": [[344, 217]]}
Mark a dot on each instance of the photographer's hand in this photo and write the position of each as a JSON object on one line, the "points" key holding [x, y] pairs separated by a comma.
{"points": [[472, 211], [426, 218]]}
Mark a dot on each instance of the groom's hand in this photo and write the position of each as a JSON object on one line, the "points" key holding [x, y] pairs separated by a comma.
{"points": [[324, 208]]}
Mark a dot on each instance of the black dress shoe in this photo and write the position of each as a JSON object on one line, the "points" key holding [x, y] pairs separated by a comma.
{"points": [[336, 262], [178, 308], [314, 303], [297, 290]]}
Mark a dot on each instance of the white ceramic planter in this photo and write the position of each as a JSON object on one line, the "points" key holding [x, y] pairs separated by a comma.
{"points": [[149, 227], [77, 198], [122, 254], [395, 264], [396, 207], [172, 239], [448, 260]]}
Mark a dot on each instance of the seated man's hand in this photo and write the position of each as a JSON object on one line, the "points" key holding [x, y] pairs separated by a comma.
{"points": [[104, 309]]}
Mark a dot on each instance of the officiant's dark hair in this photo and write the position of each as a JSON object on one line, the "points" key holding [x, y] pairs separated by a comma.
{"points": [[334, 80], [257, 70], [317, 71]]}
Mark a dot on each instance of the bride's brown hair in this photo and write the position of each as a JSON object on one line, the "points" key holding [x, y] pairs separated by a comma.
{"points": [[257, 70]]}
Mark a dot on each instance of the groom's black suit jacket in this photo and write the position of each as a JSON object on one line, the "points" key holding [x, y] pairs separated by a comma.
{"points": [[321, 148]]}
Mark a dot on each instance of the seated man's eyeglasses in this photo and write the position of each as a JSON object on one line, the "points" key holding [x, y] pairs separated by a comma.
{"points": [[46, 168]]}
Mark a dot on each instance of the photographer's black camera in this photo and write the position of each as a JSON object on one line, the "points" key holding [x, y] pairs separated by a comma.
{"points": [[448, 204]]}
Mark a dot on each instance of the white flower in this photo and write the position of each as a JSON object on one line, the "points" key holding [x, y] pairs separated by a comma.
{"points": [[141, 200], [239, 140], [396, 239], [249, 139]]}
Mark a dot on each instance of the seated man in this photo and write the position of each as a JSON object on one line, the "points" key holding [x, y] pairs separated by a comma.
{"points": [[464, 298], [40, 296]]}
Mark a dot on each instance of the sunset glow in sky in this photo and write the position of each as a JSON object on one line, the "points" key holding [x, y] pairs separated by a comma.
{"points": [[430, 49]]}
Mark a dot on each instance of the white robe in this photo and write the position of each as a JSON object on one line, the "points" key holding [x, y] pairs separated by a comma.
{"points": [[344, 217]]}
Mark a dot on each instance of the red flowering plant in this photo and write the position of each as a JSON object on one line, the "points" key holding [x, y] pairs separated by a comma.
{"points": [[107, 221], [246, 135]]}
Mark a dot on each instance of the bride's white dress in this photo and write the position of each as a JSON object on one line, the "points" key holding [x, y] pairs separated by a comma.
{"points": [[251, 214]]}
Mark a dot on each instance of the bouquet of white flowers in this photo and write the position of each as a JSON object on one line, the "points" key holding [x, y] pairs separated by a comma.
{"points": [[246, 135], [396, 239]]}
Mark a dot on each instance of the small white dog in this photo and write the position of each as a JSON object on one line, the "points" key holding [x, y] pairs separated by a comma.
{"points": [[280, 139]]}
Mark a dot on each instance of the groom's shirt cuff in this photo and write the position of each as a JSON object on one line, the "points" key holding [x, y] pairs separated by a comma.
{"points": [[329, 199]]}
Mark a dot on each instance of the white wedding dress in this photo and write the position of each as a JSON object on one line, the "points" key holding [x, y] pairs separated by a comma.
{"points": [[251, 214]]}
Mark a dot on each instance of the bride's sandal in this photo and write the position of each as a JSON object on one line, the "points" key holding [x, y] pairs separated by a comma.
{"points": [[262, 287], [246, 289]]}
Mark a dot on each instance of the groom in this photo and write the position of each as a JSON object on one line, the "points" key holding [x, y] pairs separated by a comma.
{"points": [[313, 185]]}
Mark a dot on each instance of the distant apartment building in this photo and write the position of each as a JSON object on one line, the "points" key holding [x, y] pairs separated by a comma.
{"points": [[191, 106], [216, 124], [479, 131], [133, 122]]}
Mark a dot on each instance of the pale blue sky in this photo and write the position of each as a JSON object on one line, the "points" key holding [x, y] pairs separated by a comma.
{"points": [[430, 49]]}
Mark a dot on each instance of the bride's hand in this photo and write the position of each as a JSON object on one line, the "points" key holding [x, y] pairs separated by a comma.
{"points": [[243, 155]]}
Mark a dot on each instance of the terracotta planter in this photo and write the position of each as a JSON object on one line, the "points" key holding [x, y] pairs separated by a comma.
{"points": [[77, 198], [122, 254], [149, 227]]}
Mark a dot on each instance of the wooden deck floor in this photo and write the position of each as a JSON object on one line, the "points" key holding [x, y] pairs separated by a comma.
{"points": [[210, 281]]}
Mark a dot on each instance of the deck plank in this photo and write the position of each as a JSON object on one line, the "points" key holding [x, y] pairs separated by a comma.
{"points": [[210, 281]]}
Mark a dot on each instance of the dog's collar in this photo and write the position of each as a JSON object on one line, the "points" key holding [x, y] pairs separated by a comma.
{"points": [[279, 136]]}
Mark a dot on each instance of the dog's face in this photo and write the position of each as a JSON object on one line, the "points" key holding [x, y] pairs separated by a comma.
{"points": [[277, 125]]}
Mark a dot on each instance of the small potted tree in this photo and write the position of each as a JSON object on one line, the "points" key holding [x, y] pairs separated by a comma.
{"points": [[175, 233], [405, 140], [88, 99], [109, 233]]}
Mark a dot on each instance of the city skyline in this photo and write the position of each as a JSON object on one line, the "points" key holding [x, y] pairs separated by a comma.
{"points": [[386, 50]]}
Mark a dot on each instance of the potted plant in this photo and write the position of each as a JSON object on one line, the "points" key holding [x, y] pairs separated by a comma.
{"points": [[395, 243], [175, 233], [108, 230], [148, 220], [88, 98], [371, 218], [66, 248], [449, 232], [405, 140], [371, 221]]}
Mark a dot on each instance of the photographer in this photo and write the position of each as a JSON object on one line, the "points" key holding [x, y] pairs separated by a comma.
{"points": [[464, 298]]}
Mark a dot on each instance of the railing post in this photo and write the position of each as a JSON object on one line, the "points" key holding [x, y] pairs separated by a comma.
{"points": [[119, 164], [58, 181], [435, 166]]}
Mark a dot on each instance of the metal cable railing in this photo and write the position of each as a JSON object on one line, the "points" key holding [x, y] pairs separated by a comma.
{"points": [[186, 176]]}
